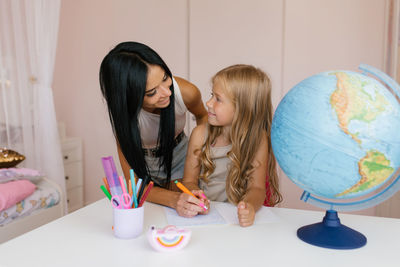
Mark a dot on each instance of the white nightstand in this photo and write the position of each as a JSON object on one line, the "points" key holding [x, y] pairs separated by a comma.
{"points": [[73, 166]]}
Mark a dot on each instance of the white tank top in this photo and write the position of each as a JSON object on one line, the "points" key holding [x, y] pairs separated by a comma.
{"points": [[215, 189], [149, 122]]}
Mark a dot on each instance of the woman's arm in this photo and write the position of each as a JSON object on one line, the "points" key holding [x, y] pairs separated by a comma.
{"points": [[157, 194], [192, 98], [184, 204], [255, 195]]}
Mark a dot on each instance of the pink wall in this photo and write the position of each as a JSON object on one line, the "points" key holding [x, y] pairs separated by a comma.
{"points": [[289, 39], [88, 30]]}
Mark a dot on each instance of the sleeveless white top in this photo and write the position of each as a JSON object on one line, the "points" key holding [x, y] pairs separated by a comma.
{"points": [[215, 189], [149, 123]]}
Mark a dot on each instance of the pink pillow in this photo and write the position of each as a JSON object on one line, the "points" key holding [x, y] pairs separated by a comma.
{"points": [[13, 192]]}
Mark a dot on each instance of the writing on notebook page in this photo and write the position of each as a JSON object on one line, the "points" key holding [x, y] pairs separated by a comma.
{"points": [[220, 213]]}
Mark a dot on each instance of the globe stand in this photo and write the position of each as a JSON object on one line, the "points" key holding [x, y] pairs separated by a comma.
{"points": [[330, 233]]}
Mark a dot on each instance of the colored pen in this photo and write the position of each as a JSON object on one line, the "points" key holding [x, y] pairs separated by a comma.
{"points": [[146, 193], [106, 184], [145, 181], [126, 186], [185, 190], [139, 183], [124, 194], [130, 188], [132, 175], [103, 188]]}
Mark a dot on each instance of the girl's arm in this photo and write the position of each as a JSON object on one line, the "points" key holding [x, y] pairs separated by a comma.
{"points": [[192, 99], [192, 164], [192, 168], [255, 195]]}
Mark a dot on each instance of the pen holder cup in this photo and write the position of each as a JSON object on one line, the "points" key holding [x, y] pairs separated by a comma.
{"points": [[128, 223]]}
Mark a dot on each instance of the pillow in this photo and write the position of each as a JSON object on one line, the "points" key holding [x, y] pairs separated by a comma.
{"points": [[9, 158], [12, 174], [13, 192]]}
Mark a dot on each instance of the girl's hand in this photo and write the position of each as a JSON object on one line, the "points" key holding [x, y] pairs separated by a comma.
{"points": [[246, 214], [189, 206]]}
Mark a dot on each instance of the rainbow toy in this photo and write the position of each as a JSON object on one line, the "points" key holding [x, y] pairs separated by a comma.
{"points": [[169, 238]]}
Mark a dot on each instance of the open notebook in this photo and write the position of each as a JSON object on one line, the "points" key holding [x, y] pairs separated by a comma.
{"points": [[220, 213]]}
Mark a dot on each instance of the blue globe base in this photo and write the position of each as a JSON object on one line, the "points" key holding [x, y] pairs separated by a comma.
{"points": [[330, 233]]}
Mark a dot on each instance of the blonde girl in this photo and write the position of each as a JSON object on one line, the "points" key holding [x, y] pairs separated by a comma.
{"points": [[231, 158]]}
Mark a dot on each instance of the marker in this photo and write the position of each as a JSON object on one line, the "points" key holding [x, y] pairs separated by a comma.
{"points": [[132, 176], [124, 193], [139, 183], [106, 184], [126, 186], [104, 189], [185, 190], [130, 188], [145, 181], [146, 193]]}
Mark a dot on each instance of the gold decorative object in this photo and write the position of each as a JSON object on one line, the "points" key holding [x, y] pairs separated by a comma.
{"points": [[9, 158]]}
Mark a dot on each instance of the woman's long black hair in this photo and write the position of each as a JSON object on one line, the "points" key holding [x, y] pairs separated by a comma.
{"points": [[123, 77]]}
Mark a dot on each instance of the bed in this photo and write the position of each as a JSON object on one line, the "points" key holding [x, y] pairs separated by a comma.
{"points": [[44, 205]]}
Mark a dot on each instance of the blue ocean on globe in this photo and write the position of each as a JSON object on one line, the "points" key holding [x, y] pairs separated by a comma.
{"points": [[336, 134]]}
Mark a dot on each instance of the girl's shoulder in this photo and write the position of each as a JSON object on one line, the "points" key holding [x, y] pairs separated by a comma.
{"points": [[200, 130], [198, 134]]}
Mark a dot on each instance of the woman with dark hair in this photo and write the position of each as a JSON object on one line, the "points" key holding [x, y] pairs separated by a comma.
{"points": [[147, 108]]}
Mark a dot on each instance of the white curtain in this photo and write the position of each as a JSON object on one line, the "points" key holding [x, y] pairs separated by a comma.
{"points": [[28, 41]]}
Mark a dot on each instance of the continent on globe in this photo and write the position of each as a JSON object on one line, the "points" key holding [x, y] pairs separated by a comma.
{"points": [[352, 102], [374, 169]]}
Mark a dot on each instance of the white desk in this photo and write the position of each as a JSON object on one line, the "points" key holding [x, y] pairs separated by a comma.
{"points": [[85, 238]]}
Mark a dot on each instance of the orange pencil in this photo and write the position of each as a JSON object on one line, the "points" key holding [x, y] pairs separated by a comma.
{"points": [[185, 190], [130, 188], [106, 184]]}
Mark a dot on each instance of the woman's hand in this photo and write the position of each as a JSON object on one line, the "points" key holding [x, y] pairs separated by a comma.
{"points": [[189, 206], [246, 213]]}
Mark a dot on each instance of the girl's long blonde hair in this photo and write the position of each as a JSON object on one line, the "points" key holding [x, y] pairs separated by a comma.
{"points": [[250, 91]]}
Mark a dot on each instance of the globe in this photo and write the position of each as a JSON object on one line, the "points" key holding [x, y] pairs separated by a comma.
{"points": [[336, 136]]}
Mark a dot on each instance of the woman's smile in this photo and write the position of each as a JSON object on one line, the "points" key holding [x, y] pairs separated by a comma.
{"points": [[164, 102]]}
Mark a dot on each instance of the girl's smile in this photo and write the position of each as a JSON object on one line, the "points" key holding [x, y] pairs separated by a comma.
{"points": [[210, 114], [220, 107]]}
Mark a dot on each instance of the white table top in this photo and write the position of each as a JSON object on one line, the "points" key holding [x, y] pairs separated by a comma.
{"points": [[85, 238]]}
